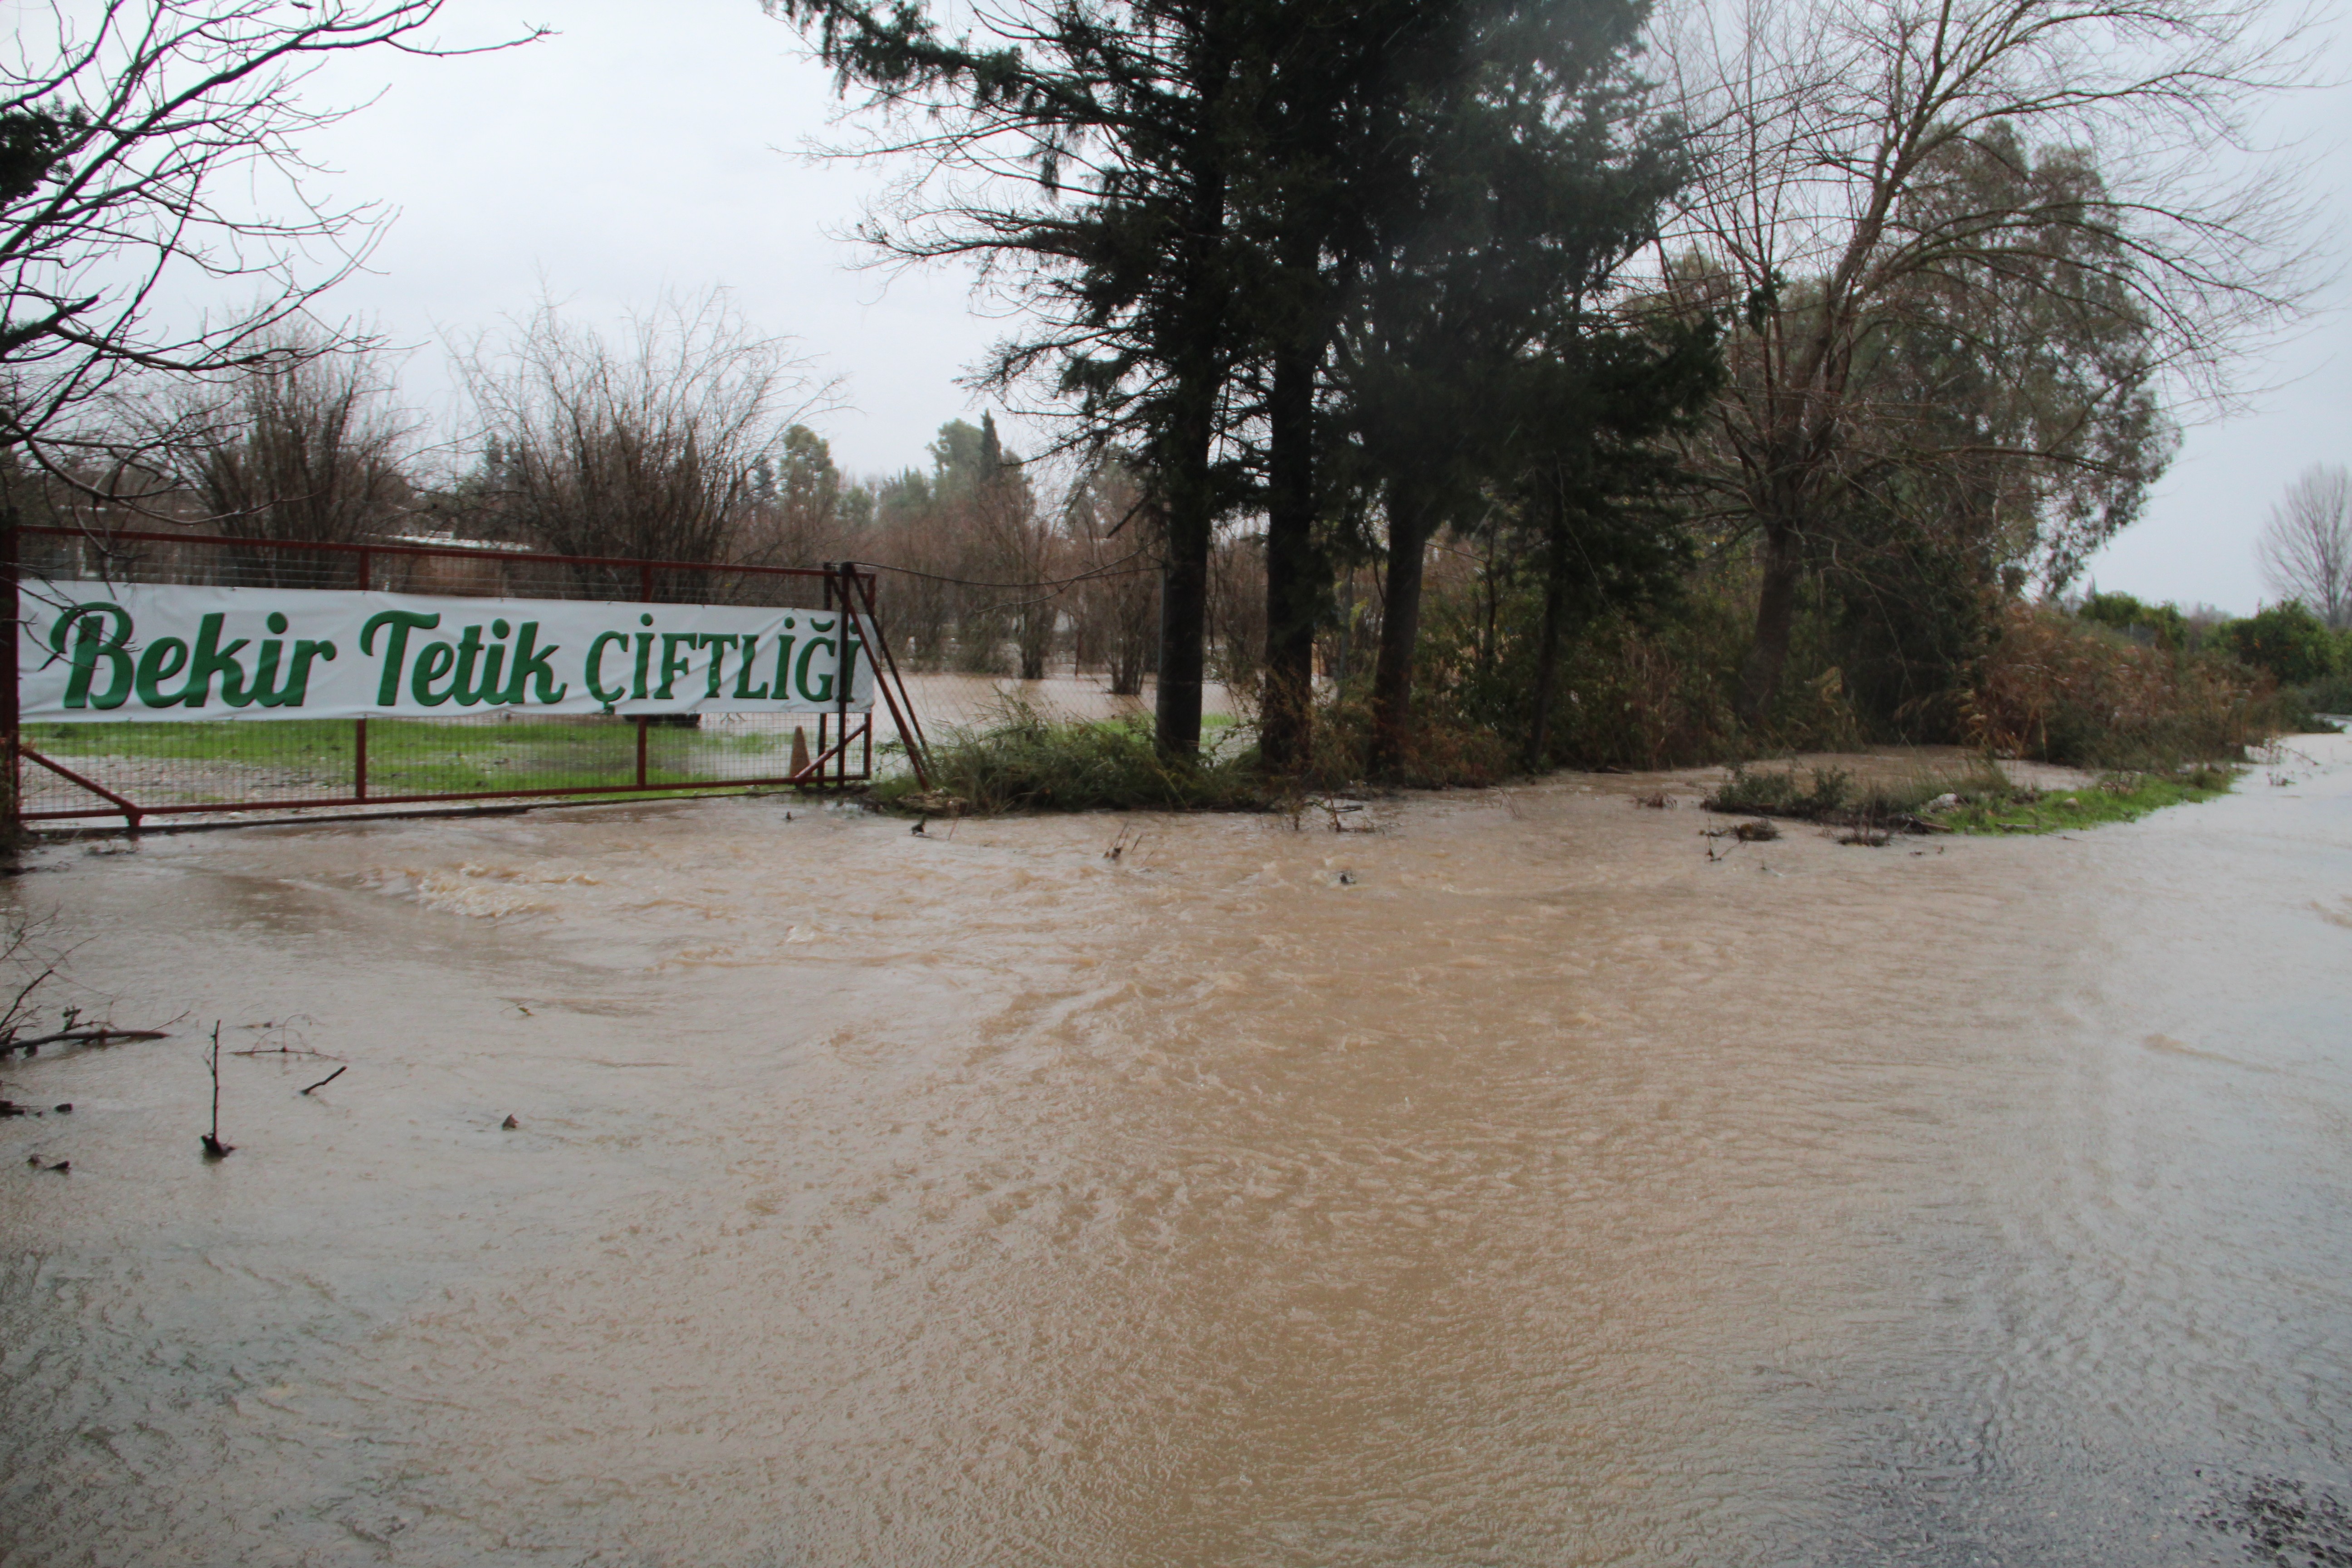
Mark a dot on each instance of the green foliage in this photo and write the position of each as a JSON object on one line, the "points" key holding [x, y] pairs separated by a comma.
{"points": [[1025, 761], [808, 482], [1977, 799], [1834, 795], [1767, 791], [32, 139], [1447, 748], [407, 755], [2287, 640], [2118, 797], [1902, 620], [1635, 689], [2162, 625], [2332, 694]]}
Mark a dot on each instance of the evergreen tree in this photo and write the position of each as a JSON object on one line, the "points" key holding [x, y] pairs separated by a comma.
{"points": [[1531, 182], [1131, 274]]}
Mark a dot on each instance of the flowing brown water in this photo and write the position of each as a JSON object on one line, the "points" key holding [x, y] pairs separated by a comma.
{"points": [[1512, 1185]]}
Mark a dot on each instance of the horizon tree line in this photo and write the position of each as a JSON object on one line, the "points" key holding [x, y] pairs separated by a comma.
{"points": [[1866, 314]]}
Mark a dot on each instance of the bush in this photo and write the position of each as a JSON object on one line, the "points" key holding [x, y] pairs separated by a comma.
{"points": [[1647, 690], [2060, 691], [2331, 695], [2161, 625], [1832, 794], [2294, 645], [1023, 762]]}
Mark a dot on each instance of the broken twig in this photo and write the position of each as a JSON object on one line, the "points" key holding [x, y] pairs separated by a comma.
{"points": [[214, 1148]]}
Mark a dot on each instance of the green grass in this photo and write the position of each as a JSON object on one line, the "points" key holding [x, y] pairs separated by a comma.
{"points": [[1020, 761], [1984, 800], [1832, 796], [2118, 797], [412, 756]]}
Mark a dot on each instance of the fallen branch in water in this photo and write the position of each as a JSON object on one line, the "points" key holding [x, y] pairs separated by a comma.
{"points": [[87, 1033], [331, 1078]]}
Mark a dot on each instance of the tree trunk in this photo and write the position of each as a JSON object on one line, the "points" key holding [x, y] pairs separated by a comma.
{"points": [[12, 826], [1295, 581], [1197, 369], [1412, 512], [1185, 588], [1776, 613], [1555, 619], [1036, 639]]}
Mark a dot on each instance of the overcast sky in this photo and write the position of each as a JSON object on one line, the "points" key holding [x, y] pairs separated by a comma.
{"points": [[651, 147]]}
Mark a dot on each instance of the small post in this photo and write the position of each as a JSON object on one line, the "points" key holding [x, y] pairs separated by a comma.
{"points": [[645, 593], [359, 725], [844, 666], [823, 720]]}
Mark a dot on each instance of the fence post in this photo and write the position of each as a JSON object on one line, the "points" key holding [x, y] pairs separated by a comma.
{"points": [[823, 718], [891, 684], [645, 593], [359, 725], [845, 667]]}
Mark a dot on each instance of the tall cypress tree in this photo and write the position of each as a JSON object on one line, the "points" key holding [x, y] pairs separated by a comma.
{"points": [[1340, 79], [1129, 265], [1593, 478], [1246, 217], [1530, 181]]}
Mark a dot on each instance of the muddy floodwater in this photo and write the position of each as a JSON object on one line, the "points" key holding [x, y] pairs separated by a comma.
{"points": [[1510, 1185]]}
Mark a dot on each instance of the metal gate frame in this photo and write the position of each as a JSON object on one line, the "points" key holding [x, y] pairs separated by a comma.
{"points": [[845, 584]]}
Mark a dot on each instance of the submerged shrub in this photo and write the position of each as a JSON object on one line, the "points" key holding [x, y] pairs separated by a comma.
{"points": [[1832, 795]]}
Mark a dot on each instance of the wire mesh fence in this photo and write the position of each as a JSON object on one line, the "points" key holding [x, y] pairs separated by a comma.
{"points": [[291, 763], [958, 677], [1087, 641], [132, 769], [951, 700]]}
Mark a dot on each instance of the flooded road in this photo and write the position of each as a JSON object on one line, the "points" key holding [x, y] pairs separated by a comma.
{"points": [[1513, 1185]]}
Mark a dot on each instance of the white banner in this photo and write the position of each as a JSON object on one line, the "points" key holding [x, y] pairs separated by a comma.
{"points": [[115, 651]]}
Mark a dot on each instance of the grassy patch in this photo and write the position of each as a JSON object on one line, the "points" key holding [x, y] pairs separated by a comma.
{"points": [[416, 756], [1024, 762], [1833, 796], [2118, 797], [1977, 800]]}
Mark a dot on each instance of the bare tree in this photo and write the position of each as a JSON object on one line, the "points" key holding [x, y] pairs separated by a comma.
{"points": [[305, 445], [1114, 533], [149, 147], [647, 449], [2306, 551], [1873, 164], [1014, 539]]}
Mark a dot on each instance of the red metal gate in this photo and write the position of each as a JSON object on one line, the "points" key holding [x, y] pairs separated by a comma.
{"points": [[135, 770]]}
